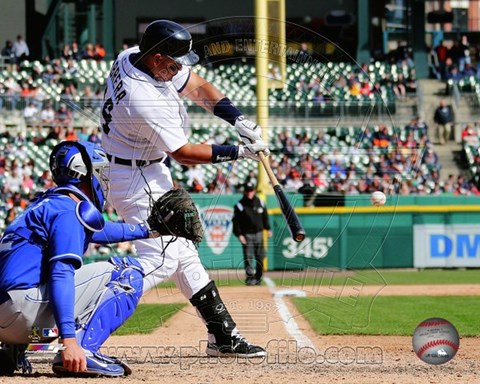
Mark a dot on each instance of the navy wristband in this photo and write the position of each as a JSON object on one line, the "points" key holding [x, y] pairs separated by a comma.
{"points": [[222, 153], [227, 111]]}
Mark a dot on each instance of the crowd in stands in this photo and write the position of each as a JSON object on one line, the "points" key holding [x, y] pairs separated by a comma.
{"points": [[454, 61], [390, 159], [401, 161]]}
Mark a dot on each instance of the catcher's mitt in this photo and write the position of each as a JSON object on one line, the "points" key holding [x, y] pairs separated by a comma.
{"points": [[175, 214]]}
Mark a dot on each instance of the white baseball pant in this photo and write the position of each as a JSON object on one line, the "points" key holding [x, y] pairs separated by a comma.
{"points": [[179, 259]]}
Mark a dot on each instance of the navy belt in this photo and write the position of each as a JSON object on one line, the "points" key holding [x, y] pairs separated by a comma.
{"points": [[4, 296], [139, 163]]}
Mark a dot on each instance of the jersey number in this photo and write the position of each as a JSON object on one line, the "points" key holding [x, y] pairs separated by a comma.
{"points": [[107, 116]]}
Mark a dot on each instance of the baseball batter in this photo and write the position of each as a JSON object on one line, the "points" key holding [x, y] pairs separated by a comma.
{"points": [[45, 291], [144, 121]]}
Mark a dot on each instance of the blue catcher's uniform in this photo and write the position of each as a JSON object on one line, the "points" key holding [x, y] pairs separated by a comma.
{"points": [[39, 254], [45, 290], [48, 231]]}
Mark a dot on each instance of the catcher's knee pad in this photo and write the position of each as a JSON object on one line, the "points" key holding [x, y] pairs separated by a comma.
{"points": [[125, 264], [116, 305], [208, 303]]}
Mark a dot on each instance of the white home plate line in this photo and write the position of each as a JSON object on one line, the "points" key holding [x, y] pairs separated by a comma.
{"points": [[290, 323]]}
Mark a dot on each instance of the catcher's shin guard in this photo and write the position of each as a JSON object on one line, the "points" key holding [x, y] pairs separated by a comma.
{"points": [[213, 311], [116, 305]]}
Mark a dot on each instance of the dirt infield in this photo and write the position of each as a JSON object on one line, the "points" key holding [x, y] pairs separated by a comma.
{"points": [[174, 352]]}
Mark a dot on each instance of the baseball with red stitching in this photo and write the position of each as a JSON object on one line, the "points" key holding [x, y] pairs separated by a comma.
{"points": [[436, 341]]}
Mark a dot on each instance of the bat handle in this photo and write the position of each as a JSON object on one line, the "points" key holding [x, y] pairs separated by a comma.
{"points": [[268, 169]]}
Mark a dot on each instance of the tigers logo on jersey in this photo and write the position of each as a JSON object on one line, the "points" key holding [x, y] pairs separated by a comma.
{"points": [[217, 222]]}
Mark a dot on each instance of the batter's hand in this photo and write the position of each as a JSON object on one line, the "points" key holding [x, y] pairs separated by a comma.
{"points": [[249, 151], [248, 131]]}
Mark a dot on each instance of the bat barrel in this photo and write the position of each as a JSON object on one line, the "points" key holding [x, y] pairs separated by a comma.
{"points": [[294, 225]]}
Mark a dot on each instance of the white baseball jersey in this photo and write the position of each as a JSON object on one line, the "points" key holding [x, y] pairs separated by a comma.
{"points": [[142, 118]]}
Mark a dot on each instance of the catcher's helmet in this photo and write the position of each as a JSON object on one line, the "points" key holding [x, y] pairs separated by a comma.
{"points": [[74, 162], [171, 39]]}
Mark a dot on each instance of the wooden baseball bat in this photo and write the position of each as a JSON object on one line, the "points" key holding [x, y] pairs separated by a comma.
{"points": [[293, 222]]}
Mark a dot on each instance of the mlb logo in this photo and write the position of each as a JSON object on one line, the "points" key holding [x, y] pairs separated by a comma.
{"points": [[50, 332]]}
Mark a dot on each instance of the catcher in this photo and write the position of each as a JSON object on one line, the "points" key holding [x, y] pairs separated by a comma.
{"points": [[45, 290]]}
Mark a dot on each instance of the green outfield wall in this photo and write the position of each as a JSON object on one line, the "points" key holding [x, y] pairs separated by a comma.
{"points": [[355, 235]]}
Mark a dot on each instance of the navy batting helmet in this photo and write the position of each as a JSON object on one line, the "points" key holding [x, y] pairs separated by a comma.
{"points": [[171, 39]]}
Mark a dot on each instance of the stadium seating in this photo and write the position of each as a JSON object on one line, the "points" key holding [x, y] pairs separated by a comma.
{"points": [[238, 81]]}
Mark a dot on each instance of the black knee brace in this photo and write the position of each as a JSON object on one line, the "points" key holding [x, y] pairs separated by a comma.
{"points": [[208, 303]]}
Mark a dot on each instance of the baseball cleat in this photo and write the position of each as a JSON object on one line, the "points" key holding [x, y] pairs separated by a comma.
{"points": [[12, 358], [97, 365], [239, 347]]}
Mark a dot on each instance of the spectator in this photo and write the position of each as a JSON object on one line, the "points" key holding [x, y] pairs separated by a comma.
{"points": [[12, 91], [470, 135], [109, 214], [251, 177], [55, 134], [47, 116], [83, 134], [294, 182], [308, 189], [464, 50], [71, 134], [455, 53], [220, 178], [13, 183], [28, 184], [443, 118], [433, 64], [76, 53], [63, 116], [303, 54], [11, 215], [382, 138], [94, 136], [30, 114], [89, 52], [365, 89], [400, 87], [20, 49], [49, 76], [442, 53], [45, 180], [417, 127], [196, 178], [66, 52], [8, 55], [99, 52]]}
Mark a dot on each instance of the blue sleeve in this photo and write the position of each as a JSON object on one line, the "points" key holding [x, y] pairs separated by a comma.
{"points": [[66, 239], [118, 232], [62, 296]]}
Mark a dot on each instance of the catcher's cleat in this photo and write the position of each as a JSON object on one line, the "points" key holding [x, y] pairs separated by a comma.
{"points": [[97, 365], [12, 358], [239, 347]]}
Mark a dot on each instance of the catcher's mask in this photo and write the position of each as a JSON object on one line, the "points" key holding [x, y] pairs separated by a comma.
{"points": [[74, 162]]}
